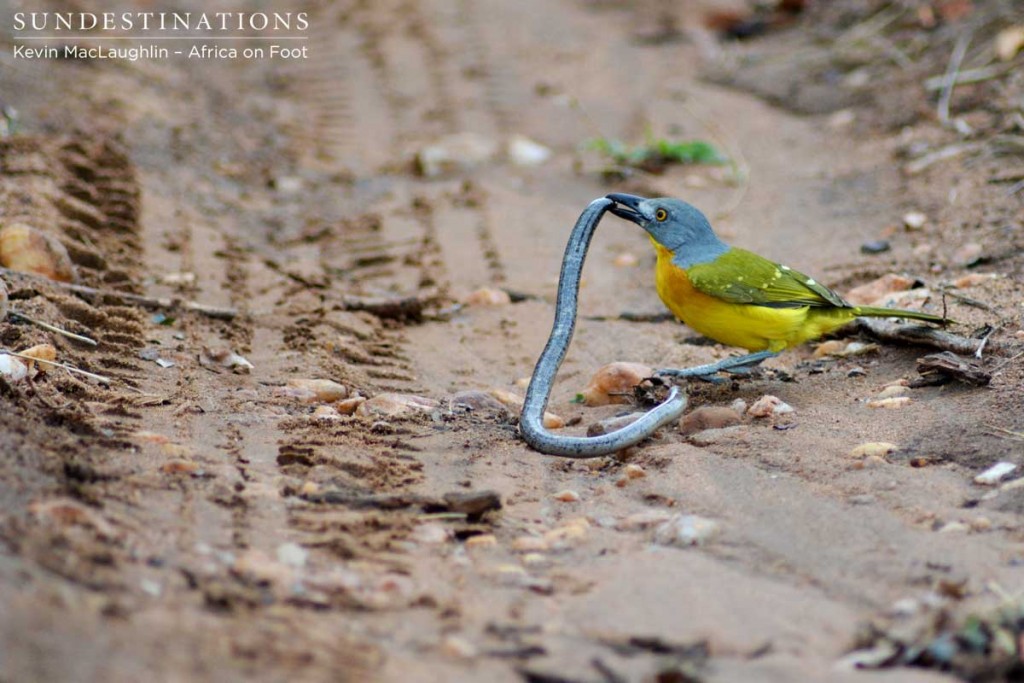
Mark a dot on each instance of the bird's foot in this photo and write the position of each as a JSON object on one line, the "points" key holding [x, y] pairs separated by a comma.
{"points": [[737, 365]]}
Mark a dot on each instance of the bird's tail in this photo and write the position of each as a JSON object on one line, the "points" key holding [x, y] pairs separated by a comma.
{"points": [[874, 312]]}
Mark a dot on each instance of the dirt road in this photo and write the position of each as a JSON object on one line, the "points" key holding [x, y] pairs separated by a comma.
{"points": [[190, 522]]}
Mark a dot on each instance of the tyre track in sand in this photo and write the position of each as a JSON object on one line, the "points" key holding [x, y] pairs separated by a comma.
{"points": [[286, 190]]}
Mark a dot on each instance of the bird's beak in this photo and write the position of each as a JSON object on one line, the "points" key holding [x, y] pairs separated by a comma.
{"points": [[627, 206]]}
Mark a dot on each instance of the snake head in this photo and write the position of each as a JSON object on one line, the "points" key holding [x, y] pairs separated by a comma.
{"points": [[631, 208]]}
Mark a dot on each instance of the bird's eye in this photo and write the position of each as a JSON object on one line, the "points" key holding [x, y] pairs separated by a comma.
{"points": [[660, 215]]}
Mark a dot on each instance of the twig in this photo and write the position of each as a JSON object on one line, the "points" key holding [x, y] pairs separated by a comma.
{"points": [[968, 76], [99, 378], [920, 164], [955, 60], [966, 300], [394, 308], [54, 328], [147, 301], [898, 56], [885, 330], [984, 340], [1007, 362], [1006, 433]]}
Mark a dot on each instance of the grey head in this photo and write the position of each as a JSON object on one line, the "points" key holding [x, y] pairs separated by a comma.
{"points": [[679, 227]]}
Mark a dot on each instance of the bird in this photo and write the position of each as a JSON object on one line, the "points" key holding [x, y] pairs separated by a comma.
{"points": [[735, 296]]}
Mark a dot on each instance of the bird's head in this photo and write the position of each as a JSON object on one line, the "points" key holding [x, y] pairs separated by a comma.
{"points": [[672, 223]]}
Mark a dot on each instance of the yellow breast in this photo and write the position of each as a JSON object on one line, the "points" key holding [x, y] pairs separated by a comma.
{"points": [[755, 328]]}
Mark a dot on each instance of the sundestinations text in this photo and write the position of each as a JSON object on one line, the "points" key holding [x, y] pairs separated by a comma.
{"points": [[161, 21]]}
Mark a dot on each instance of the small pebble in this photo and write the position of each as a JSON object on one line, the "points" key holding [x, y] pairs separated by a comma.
{"points": [[914, 220], [477, 401], [769, 406], [552, 421], [905, 607], [522, 151], [482, 541], [994, 474], [488, 296], [431, 533], [67, 512], [856, 371], [530, 544], [877, 289], [314, 390], [515, 402], [292, 554], [565, 535], [874, 461], [878, 448], [309, 488], [968, 255], [456, 152], [509, 574], [685, 531], [973, 280], [890, 403], [614, 383], [892, 391], [875, 247], [862, 499], [28, 250], [151, 587], [391, 405], [981, 524], [953, 527], [842, 118], [12, 368], [326, 413], [179, 467], [625, 260], [535, 560], [642, 520], [832, 347], [1013, 484], [612, 424], [458, 648], [708, 417], [349, 405], [713, 436], [224, 358], [633, 471], [152, 437], [739, 405], [567, 496]]}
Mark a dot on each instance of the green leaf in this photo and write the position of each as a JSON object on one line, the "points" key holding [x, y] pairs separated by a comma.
{"points": [[658, 151]]}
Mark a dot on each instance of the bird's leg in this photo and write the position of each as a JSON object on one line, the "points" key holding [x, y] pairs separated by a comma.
{"points": [[737, 365]]}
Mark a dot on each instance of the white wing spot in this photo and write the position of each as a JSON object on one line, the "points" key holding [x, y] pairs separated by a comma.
{"points": [[811, 282], [785, 267], [739, 279], [777, 274]]}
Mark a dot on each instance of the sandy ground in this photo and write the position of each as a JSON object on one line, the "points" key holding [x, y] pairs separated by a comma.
{"points": [[189, 522]]}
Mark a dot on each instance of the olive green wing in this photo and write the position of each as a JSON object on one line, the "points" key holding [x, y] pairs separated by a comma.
{"points": [[742, 277]]}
